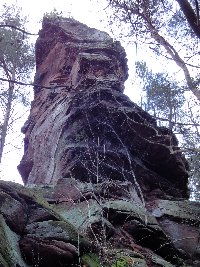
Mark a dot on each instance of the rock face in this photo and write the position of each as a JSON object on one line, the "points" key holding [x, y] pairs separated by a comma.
{"points": [[105, 186], [83, 126]]}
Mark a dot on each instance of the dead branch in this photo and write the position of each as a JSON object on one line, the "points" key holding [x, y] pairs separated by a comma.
{"points": [[17, 28], [27, 84], [177, 123], [186, 149]]}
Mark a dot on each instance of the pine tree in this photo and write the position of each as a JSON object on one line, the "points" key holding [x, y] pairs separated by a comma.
{"points": [[166, 101], [16, 63], [165, 28]]}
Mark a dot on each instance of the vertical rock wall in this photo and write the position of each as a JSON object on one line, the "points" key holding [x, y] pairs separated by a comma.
{"points": [[81, 125]]}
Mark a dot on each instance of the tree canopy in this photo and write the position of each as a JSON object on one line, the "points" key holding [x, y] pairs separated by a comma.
{"points": [[163, 27]]}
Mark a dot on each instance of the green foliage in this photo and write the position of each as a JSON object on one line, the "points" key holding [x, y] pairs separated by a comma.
{"points": [[114, 258], [163, 95], [16, 63], [15, 49], [16, 54], [53, 14], [143, 19], [161, 27], [92, 260], [166, 101], [125, 261]]}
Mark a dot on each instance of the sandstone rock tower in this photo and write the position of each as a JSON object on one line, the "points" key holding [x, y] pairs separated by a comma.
{"points": [[81, 125], [105, 185]]}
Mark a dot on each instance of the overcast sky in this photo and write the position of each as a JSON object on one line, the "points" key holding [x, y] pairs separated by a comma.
{"points": [[84, 11]]}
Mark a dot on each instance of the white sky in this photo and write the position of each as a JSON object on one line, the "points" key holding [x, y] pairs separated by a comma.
{"points": [[84, 11]]}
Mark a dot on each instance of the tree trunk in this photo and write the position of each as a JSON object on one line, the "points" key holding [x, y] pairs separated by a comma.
{"points": [[192, 18], [5, 124], [175, 56]]}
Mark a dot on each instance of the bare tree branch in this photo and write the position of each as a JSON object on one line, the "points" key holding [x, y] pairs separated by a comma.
{"points": [[186, 149], [177, 123], [17, 28], [30, 84]]}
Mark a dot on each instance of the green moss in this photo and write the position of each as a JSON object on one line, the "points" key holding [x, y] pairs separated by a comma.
{"points": [[54, 14], [114, 258], [92, 260], [60, 221], [9, 250], [3, 263], [5, 256], [127, 261], [10, 254]]}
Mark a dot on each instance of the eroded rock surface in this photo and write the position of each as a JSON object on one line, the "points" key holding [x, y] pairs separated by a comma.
{"points": [[83, 126], [105, 186]]}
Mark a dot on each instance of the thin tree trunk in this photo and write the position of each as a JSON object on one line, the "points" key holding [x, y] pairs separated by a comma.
{"points": [[5, 125]]}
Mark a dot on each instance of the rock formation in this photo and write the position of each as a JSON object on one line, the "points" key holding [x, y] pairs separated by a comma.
{"points": [[104, 185]]}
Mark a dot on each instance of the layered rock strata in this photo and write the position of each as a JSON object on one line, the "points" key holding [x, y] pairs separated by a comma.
{"points": [[105, 186], [81, 125]]}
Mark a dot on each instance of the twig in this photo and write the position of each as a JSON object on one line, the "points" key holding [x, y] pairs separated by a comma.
{"points": [[31, 84], [177, 123], [17, 28]]}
